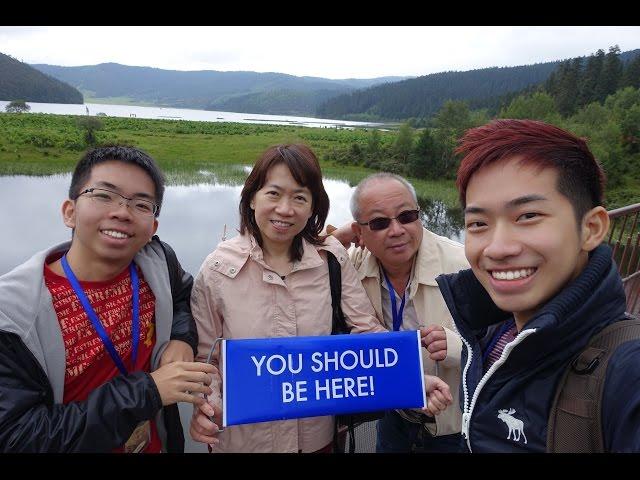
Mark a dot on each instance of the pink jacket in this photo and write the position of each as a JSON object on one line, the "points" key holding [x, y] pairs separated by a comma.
{"points": [[236, 295]]}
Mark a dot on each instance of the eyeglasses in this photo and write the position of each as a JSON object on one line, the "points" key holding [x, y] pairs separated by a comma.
{"points": [[108, 199], [381, 223]]}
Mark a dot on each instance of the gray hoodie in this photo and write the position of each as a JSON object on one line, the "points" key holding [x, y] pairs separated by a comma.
{"points": [[26, 309]]}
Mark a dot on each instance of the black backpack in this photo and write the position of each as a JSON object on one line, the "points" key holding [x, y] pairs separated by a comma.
{"points": [[575, 419]]}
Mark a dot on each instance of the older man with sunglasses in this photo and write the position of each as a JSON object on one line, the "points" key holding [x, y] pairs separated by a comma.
{"points": [[398, 262]]}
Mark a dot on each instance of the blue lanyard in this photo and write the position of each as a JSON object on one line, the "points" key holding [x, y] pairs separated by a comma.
{"points": [[496, 337], [397, 314], [135, 320]]}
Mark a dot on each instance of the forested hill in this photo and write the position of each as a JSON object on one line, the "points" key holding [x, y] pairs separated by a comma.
{"points": [[251, 92], [19, 81], [421, 97]]}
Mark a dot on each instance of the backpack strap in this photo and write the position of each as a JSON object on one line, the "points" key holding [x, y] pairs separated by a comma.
{"points": [[575, 419], [338, 323], [172, 264], [339, 327]]}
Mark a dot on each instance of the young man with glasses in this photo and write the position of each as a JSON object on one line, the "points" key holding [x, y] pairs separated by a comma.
{"points": [[94, 338], [398, 265]]}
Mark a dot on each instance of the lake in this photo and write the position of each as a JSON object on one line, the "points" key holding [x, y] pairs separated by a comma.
{"points": [[192, 219], [163, 113]]}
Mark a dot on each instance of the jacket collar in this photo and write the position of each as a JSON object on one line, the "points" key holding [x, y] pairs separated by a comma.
{"points": [[586, 305], [232, 255], [24, 287]]}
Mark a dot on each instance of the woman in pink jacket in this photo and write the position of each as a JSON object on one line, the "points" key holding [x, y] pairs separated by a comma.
{"points": [[272, 281]]}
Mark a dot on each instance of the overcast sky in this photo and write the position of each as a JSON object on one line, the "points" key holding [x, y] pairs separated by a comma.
{"points": [[330, 52]]}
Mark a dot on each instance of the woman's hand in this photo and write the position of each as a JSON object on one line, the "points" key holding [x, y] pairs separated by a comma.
{"points": [[202, 428]]}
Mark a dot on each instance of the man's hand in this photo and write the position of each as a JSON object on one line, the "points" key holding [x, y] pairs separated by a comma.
{"points": [[345, 235], [181, 381], [202, 429], [176, 351], [434, 339], [438, 395]]}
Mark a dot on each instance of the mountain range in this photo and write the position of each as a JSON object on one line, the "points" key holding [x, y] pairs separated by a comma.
{"points": [[383, 98], [248, 92]]}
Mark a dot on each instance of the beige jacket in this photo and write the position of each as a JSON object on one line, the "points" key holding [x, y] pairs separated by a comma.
{"points": [[436, 255], [235, 295]]}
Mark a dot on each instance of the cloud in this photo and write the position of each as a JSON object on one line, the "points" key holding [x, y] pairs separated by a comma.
{"points": [[331, 52]]}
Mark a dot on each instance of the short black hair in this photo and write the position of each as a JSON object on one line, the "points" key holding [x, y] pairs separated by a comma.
{"points": [[118, 153]]}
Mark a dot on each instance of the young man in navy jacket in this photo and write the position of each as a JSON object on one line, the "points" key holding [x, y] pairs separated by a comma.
{"points": [[541, 284]]}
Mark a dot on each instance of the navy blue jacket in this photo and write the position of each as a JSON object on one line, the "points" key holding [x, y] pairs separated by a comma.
{"points": [[507, 408]]}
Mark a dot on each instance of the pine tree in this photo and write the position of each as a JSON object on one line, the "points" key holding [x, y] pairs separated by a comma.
{"points": [[611, 74], [566, 97], [404, 143], [423, 163], [631, 76], [591, 78], [373, 144]]}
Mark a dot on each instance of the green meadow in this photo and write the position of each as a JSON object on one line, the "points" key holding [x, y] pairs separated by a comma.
{"points": [[189, 152], [202, 152]]}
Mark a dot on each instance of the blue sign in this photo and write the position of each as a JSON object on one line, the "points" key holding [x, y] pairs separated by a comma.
{"points": [[293, 377]]}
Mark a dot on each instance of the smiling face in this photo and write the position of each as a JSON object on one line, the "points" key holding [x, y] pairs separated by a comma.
{"points": [[282, 208], [522, 240], [114, 233], [396, 245]]}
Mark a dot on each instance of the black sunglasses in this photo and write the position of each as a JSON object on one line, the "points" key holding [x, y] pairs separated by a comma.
{"points": [[381, 223]]}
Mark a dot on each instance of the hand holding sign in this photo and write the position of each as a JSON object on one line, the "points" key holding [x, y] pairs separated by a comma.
{"points": [[180, 381], [438, 395], [202, 429], [434, 339]]}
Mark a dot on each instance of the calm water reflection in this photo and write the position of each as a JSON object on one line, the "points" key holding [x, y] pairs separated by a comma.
{"points": [[192, 217]]}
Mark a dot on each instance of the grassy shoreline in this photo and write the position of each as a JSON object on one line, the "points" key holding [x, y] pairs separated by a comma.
{"points": [[45, 144], [188, 152]]}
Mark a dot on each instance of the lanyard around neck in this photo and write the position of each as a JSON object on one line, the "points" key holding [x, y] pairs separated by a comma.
{"points": [[95, 321], [397, 314]]}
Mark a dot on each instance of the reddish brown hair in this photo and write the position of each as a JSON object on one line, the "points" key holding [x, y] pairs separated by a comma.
{"points": [[580, 176], [305, 169]]}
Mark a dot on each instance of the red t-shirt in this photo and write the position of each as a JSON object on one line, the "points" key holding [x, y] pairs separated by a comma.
{"points": [[88, 363]]}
